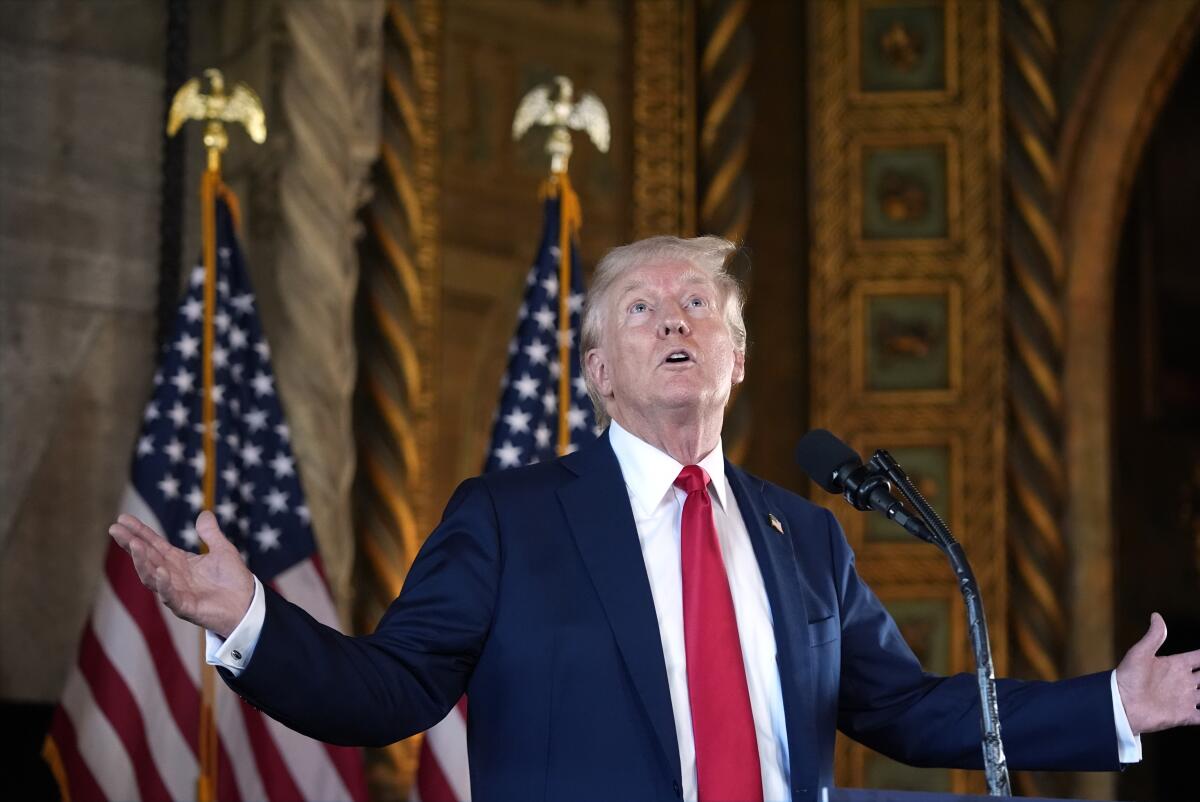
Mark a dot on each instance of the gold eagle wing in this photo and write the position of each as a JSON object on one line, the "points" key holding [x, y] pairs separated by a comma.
{"points": [[188, 104], [533, 107], [244, 107], [590, 115]]}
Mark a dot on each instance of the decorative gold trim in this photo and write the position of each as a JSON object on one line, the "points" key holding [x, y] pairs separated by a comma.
{"points": [[953, 239], [968, 260], [664, 128], [859, 96], [858, 345]]}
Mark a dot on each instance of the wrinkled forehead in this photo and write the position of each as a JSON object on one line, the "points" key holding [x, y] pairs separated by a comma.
{"points": [[667, 275]]}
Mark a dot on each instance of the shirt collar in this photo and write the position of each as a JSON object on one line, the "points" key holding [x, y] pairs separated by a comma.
{"points": [[650, 473]]}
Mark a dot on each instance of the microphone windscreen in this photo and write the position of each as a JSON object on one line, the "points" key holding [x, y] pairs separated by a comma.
{"points": [[820, 454]]}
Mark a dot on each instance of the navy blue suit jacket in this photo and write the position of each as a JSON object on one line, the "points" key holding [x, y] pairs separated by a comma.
{"points": [[532, 597]]}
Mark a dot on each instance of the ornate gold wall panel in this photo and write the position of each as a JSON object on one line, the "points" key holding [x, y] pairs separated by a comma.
{"points": [[664, 114], [906, 300], [398, 317]]}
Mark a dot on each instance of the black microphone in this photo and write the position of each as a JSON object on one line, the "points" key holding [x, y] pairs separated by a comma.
{"points": [[837, 468]]}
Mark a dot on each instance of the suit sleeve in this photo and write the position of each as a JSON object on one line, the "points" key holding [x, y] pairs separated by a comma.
{"points": [[406, 675], [887, 702]]}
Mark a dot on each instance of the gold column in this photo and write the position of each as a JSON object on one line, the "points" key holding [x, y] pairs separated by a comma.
{"points": [[398, 315], [664, 146], [1036, 473]]}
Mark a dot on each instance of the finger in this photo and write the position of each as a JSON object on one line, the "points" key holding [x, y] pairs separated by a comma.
{"points": [[145, 562], [122, 535], [162, 582], [1154, 638], [209, 531], [144, 533]]}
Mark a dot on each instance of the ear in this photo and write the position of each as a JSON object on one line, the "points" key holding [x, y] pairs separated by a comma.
{"points": [[739, 367], [597, 368]]}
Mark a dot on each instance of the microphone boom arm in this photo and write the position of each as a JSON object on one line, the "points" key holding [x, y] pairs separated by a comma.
{"points": [[995, 764]]}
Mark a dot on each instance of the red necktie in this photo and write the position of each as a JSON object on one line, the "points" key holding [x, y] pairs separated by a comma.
{"points": [[727, 765]]}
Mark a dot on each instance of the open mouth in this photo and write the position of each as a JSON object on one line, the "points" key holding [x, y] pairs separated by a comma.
{"points": [[679, 357]]}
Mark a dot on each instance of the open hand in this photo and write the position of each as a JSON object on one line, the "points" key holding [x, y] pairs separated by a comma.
{"points": [[211, 590], [1159, 692]]}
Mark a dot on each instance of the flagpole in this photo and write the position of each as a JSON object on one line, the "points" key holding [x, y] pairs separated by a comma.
{"points": [[215, 108], [570, 218], [554, 105]]}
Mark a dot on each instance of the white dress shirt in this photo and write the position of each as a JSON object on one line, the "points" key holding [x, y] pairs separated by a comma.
{"points": [[657, 510]]}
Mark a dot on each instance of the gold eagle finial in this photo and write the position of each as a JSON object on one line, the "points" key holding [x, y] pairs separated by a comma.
{"points": [[217, 108], [553, 105]]}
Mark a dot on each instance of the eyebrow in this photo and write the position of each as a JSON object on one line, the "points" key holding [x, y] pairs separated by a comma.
{"points": [[692, 277]]}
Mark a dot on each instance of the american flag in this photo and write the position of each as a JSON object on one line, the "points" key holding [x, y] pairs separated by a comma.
{"points": [[525, 431], [128, 723]]}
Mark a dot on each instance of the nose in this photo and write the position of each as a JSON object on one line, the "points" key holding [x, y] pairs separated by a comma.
{"points": [[673, 325]]}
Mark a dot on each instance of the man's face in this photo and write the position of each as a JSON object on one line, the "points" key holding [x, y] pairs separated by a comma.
{"points": [[665, 346]]}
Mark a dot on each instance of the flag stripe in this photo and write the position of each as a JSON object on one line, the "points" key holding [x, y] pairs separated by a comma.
{"points": [[302, 585], [308, 763], [81, 785], [274, 772], [348, 763], [431, 784], [121, 709], [131, 657], [243, 773], [98, 743], [448, 740]]}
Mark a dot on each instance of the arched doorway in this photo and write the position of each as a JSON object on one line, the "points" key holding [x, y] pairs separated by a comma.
{"points": [[1110, 230], [1156, 405]]}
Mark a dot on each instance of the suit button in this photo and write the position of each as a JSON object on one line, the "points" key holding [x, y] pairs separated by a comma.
{"points": [[678, 788]]}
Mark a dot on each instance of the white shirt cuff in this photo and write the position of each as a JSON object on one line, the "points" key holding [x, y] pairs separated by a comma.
{"points": [[1129, 746], [234, 652]]}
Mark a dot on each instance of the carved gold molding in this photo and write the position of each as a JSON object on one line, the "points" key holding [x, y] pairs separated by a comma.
{"points": [[399, 299], [664, 141], [1033, 253], [956, 120]]}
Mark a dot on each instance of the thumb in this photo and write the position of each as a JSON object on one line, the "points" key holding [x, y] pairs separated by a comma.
{"points": [[1154, 638], [209, 532]]}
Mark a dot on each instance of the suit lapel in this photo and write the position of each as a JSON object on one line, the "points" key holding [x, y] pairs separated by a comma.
{"points": [[786, 591], [597, 508]]}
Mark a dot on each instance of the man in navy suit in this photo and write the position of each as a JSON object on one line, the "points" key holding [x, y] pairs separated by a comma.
{"points": [[641, 619]]}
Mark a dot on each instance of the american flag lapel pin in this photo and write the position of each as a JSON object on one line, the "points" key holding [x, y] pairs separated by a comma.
{"points": [[775, 523]]}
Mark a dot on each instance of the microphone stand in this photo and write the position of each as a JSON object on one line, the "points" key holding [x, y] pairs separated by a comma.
{"points": [[995, 765]]}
